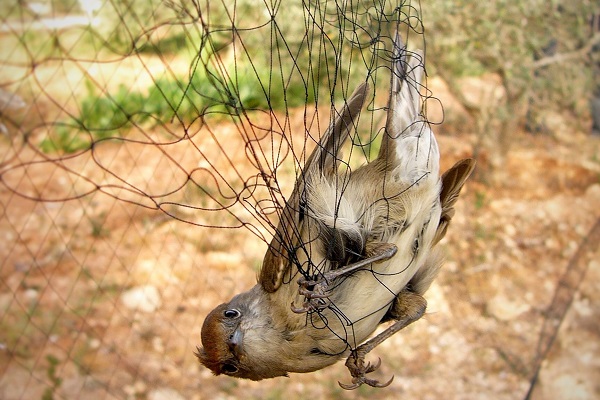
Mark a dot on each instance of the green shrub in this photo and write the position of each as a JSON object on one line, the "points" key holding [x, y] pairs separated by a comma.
{"points": [[105, 115]]}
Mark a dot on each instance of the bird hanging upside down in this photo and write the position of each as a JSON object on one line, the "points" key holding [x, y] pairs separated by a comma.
{"points": [[353, 249]]}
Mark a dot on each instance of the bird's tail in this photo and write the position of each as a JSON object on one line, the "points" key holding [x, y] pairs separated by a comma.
{"points": [[408, 140]]}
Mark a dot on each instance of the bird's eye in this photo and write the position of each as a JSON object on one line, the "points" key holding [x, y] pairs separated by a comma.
{"points": [[229, 368], [232, 313]]}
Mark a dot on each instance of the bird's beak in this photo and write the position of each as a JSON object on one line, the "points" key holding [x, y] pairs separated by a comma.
{"points": [[235, 342]]}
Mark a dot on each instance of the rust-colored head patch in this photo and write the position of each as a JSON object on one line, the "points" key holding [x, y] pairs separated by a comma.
{"points": [[214, 350]]}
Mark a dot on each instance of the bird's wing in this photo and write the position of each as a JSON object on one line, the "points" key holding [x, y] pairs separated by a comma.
{"points": [[279, 256], [452, 182]]}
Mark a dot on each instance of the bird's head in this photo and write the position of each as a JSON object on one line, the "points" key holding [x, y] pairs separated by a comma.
{"points": [[239, 339]]}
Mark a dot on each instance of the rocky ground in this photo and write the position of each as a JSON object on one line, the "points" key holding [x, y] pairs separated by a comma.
{"points": [[102, 298], [105, 299]]}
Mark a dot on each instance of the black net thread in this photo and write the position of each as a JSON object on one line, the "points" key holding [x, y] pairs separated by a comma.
{"points": [[133, 135], [202, 112]]}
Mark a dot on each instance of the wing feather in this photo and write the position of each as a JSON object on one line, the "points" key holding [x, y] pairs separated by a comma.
{"points": [[452, 183], [277, 261]]}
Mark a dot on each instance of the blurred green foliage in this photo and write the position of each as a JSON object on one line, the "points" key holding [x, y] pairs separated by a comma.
{"points": [[277, 58], [217, 84], [102, 116], [507, 37], [268, 62]]}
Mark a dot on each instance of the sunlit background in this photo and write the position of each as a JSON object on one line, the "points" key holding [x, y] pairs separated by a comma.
{"points": [[146, 148]]}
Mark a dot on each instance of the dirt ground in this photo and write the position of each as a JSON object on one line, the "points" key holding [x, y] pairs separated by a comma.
{"points": [[68, 267], [102, 298]]}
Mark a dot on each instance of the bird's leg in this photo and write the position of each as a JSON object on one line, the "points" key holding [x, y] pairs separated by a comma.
{"points": [[316, 291], [407, 308]]}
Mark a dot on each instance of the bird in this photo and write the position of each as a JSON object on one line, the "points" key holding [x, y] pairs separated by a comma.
{"points": [[353, 249]]}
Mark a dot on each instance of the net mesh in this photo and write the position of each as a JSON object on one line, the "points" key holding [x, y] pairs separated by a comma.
{"points": [[147, 151]]}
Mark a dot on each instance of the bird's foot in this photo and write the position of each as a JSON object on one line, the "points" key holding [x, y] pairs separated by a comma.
{"points": [[316, 291], [315, 295], [356, 365]]}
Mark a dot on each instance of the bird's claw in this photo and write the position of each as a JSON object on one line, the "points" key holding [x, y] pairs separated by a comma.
{"points": [[358, 370], [316, 291], [315, 295]]}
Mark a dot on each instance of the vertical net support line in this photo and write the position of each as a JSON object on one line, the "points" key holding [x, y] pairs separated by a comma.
{"points": [[563, 298]]}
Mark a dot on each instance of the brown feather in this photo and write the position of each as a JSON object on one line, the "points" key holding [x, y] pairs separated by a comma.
{"points": [[214, 350], [334, 138], [452, 183], [276, 263]]}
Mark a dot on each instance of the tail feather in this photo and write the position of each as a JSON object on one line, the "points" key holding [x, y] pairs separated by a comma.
{"points": [[404, 105], [408, 142]]}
